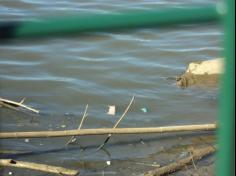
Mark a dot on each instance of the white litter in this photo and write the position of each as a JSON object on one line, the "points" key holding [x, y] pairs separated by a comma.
{"points": [[63, 126], [27, 140], [108, 163], [111, 110]]}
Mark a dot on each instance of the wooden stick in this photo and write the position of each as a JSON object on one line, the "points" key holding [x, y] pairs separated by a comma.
{"points": [[39, 167], [102, 131], [117, 123], [8, 103], [173, 167], [124, 113], [8, 106], [73, 138]]}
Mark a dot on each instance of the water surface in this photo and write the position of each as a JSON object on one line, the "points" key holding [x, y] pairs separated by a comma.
{"points": [[59, 76]]}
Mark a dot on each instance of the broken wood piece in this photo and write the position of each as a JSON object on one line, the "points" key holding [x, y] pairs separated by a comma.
{"points": [[175, 166], [209, 67], [204, 73], [102, 131], [12, 104], [38, 167]]}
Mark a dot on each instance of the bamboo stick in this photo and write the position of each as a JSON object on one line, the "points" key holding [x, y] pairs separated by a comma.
{"points": [[172, 167], [103, 131], [39, 167]]}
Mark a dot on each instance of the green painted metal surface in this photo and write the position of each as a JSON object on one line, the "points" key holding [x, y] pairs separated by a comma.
{"points": [[225, 162], [85, 23]]}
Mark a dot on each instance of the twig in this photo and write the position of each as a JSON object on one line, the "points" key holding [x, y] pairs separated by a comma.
{"points": [[117, 123], [39, 167], [124, 113], [12, 104], [73, 138], [22, 101], [102, 131], [175, 166], [193, 162]]}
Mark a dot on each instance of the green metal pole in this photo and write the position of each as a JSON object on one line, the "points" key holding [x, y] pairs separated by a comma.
{"points": [[99, 22], [225, 163]]}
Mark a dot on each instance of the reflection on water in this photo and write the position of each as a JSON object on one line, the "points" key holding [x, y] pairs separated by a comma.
{"points": [[60, 76]]}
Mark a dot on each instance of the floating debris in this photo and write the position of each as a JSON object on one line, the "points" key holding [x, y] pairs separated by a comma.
{"points": [[111, 110], [27, 140], [144, 110], [16, 105], [63, 126], [201, 73], [108, 163], [141, 141]]}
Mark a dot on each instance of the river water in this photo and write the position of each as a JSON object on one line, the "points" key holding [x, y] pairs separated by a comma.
{"points": [[59, 76]]}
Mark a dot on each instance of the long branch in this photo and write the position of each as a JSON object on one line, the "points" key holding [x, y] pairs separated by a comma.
{"points": [[103, 131]]}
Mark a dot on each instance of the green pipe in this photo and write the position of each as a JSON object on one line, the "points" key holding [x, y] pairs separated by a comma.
{"points": [[100, 22], [227, 97]]}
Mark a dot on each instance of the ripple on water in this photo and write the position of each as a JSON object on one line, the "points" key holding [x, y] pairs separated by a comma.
{"points": [[60, 76]]}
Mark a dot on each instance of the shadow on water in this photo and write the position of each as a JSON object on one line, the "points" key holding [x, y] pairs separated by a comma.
{"points": [[91, 149]]}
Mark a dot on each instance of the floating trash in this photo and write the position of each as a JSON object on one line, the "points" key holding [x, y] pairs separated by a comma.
{"points": [[27, 140], [144, 110], [108, 163], [63, 126], [111, 110], [67, 114], [141, 141]]}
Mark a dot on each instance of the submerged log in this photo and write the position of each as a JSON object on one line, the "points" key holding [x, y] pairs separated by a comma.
{"points": [[201, 73]]}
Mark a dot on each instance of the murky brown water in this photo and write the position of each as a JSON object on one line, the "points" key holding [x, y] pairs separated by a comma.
{"points": [[60, 76]]}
